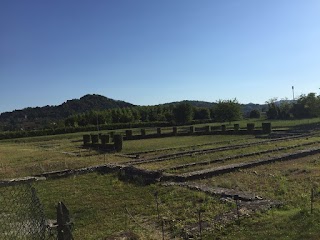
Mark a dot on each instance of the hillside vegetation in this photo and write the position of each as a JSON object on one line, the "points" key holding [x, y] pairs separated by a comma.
{"points": [[45, 117]]}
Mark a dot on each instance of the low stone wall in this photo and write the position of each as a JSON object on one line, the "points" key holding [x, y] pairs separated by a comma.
{"points": [[217, 191], [17, 181], [106, 168], [193, 132], [206, 162], [140, 176], [207, 173]]}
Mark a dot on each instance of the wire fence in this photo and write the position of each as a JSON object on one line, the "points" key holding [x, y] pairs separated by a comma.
{"points": [[21, 213]]}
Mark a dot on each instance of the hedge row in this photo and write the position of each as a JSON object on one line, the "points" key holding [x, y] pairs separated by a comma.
{"points": [[192, 130], [20, 134], [45, 132]]}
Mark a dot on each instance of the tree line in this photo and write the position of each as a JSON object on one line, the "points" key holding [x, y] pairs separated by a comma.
{"points": [[182, 113], [306, 106]]}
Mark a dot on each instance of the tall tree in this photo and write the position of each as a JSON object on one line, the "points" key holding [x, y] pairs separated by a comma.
{"points": [[273, 109], [227, 110], [285, 108], [183, 113], [307, 106], [201, 113]]}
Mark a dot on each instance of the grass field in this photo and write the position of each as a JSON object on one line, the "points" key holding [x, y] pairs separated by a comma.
{"points": [[102, 205], [98, 204], [289, 182]]}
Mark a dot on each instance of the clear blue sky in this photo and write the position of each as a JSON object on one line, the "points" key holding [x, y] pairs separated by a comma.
{"points": [[156, 51]]}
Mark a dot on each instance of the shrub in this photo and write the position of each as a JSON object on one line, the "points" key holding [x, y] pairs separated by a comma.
{"points": [[255, 114], [112, 126], [236, 127]]}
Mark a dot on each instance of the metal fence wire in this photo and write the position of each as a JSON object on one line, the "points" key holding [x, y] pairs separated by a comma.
{"points": [[21, 213]]}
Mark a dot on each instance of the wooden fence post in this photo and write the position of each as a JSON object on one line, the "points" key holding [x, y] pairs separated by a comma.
{"points": [[63, 223]]}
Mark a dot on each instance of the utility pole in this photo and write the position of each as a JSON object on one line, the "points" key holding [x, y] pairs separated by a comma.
{"points": [[293, 93]]}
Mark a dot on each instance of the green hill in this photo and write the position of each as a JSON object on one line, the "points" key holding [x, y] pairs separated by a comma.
{"points": [[32, 118]]}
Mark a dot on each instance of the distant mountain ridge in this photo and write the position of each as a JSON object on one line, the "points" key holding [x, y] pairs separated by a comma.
{"points": [[30, 117]]}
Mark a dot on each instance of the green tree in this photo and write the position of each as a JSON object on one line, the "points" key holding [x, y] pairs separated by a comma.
{"points": [[183, 113], [307, 106], [70, 121], [273, 109], [82, 120], [285, 109], [143, 111], [227, 110], [95, 117], [136, 114], [153, 115], [201, 113], [126, 116], [115, 115], [255, 113]]}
